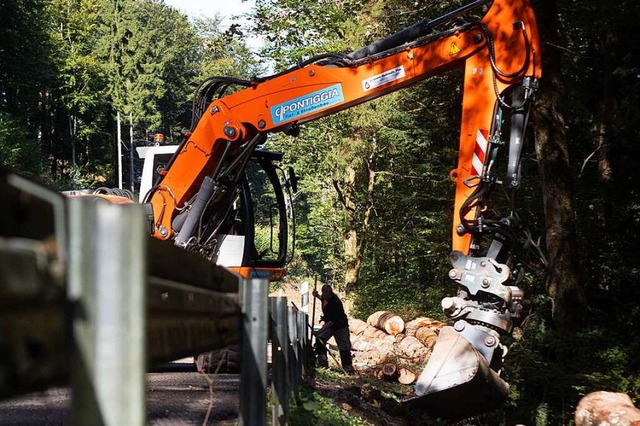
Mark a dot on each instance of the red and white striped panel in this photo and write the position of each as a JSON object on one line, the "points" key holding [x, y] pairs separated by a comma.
{"points": [[479, 152]]}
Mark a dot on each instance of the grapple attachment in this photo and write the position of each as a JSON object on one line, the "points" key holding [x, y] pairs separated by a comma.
{"points": [[457, 381]]}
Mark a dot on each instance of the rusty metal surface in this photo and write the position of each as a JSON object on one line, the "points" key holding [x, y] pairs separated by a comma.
{"points": [[172, 263], [192, 303], [188, 304]]}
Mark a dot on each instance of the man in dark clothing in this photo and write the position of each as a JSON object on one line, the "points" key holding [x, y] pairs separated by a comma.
{"points": [[336, 324]]}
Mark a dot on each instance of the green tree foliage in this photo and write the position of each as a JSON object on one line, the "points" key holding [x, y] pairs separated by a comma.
{"points": [[296, 29], [69, 65], [224, 52], [26, 74], [149, 52], [80, 98], [17, 149], [602, 56], [598, 66]]}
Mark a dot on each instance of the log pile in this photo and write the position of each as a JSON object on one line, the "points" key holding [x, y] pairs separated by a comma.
{"points": [[396, 350]]}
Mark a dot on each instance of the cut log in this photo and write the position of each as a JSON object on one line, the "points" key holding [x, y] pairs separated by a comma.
{"points": [[387, 321], [406, 376], [374, 333], [410, 347], [362, 345], [370, 351], [427, 336], [415, 324], [389, 371], [378, 343], [357, 326], [389, 338], [379, 374], [607, 408]]}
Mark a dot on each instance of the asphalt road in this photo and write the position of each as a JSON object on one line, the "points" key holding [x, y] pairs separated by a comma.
{"points": [[175, 396]]}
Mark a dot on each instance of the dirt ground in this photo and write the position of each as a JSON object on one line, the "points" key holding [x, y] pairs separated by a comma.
{"points": [[176, 396]]}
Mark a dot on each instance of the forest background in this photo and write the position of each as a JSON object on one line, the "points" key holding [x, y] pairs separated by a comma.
{"points": [[375, 199]]}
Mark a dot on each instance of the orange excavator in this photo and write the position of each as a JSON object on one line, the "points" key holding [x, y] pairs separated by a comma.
{"points": [[202, 198]]}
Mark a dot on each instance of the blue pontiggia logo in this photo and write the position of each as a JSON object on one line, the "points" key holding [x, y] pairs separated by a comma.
{"points": [[307, 103]]}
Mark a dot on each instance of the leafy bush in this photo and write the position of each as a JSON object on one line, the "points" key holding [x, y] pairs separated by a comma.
{"points": [[17, 151]]}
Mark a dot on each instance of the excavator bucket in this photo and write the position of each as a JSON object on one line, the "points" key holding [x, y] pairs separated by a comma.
{"points": [[457, 382]]}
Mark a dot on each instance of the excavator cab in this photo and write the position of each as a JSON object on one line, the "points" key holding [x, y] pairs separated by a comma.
{"points": [[257, 239], [254, 235]]}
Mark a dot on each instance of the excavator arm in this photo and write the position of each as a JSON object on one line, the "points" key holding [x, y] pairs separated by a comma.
{"points": [[497, 44]]}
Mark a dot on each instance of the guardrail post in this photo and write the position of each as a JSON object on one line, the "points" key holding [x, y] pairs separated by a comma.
{"points": [[107, 273], [294, 375], [303, 353], [253, 380], [279, 355]]}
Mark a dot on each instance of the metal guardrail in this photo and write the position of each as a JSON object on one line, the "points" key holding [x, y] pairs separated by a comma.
{"points": [[290, 349], [80, 280]]}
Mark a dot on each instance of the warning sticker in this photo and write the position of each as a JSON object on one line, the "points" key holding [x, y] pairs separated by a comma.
{"points": [[386, 77]]}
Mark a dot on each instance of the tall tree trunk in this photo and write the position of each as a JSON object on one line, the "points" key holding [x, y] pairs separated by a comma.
{"points": [[352, 265], [607, 119], [355, 239], [563, 275], [608, 105]]}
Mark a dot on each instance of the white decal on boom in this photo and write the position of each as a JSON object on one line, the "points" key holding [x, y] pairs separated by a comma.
{"points": [[381, 79]]}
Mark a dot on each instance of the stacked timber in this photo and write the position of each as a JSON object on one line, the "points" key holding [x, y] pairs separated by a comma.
{"points": [[412, 349], [394, 373], [394, 349], [370, 345]]}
